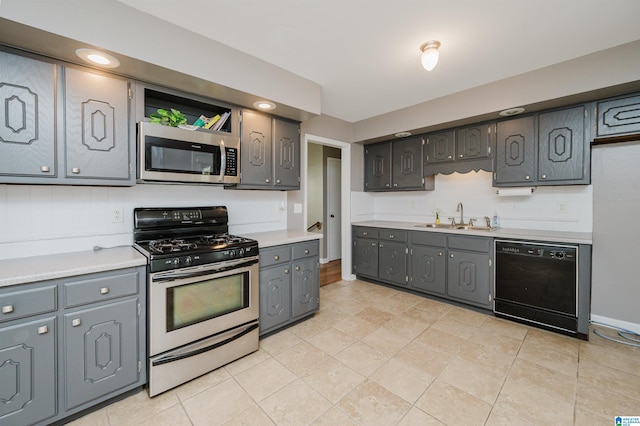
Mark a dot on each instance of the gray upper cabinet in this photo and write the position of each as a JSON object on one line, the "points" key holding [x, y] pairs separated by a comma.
{"points": [[440, 147], [459, 150], [395, 166], [63, 125], [515, 160], [563, 147], [616, 117], [549, 148], [97, 127], [27, 119], [377, 167], [269, 152]]}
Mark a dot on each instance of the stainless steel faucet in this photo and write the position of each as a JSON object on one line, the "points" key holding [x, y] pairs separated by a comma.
{"points": [[461, 210]]}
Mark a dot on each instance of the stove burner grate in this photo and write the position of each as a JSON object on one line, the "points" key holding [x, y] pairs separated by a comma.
{"points": [[170, 245]]}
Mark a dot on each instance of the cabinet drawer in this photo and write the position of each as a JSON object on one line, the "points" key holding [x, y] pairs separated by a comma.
{"points": [[364, 232], [470, 244], [306, 249], [275, 255], [26, 302], [392, 234], [102, 288], [428, 239]]}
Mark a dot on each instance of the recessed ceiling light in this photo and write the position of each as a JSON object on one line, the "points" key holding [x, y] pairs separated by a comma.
{"points": [[402, 134], [264, 105], [511, 111], [97, 57]]}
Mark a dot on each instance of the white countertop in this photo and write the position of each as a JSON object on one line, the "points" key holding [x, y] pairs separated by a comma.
{"points": [[40, 268], [521, 234], [276, 238]]}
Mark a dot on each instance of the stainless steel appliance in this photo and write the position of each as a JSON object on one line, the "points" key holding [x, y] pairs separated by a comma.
{"points": [[171, 154], [203, 301], [537, 283]]}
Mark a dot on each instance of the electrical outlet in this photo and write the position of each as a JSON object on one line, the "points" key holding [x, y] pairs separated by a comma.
{"points": [[562, 206], [117, 215]]}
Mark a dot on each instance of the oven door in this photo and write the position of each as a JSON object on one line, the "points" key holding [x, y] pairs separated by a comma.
{"points": [[189, 304]]}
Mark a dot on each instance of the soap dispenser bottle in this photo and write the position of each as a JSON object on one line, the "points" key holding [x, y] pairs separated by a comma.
{"points": [[495, 221]]}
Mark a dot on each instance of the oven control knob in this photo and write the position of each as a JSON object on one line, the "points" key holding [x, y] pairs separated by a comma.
{"points": [[176, 262], [188, 260]]}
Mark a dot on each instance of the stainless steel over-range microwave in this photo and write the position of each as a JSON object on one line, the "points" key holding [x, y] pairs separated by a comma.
{"points": [[171, 154]]}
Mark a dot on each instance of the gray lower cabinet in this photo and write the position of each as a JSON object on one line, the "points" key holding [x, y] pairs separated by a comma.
{"points": [[289, 284], [269, 153], [469, 266], [456, 267], [63, 124], [381, 254], [69, 344], [427, 257]]}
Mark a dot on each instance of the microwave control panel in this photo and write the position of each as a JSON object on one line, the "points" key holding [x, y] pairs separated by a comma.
{"points": [[231, 168]]}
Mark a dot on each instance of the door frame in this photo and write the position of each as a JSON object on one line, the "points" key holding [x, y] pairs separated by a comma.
{"points": [[345, 196], [332, 256]]}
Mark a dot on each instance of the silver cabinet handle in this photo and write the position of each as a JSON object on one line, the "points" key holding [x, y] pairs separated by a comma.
{"points": [[76, 322], [306, 252], [449, 157], [364, 234], [440, 254], [386, 185], [75, 170], [381, 245], [461, 155], [277, 181], [45, 169], [527, 177], [104, 290], [391, 236], [451, 255], [267, 180], [297, 268], [543, 177], [395, 185], [7, 309], [374, 244], [276, 257], [286, 271], [43, 330]]}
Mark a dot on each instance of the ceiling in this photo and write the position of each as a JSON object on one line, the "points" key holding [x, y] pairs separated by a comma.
{"points": [[365, 53]]}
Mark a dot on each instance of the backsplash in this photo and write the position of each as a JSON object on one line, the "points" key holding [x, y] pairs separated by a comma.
{"points": [[555, 208], [43, 219]]}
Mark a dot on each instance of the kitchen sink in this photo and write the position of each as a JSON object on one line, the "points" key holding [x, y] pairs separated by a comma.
{"points": [[461, 227]]}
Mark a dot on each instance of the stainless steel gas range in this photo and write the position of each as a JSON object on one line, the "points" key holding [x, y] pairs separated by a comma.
{"points": [[203, 300]]}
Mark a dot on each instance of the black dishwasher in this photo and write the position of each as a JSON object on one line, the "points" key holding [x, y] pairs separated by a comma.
{"points": [[537, 283]]}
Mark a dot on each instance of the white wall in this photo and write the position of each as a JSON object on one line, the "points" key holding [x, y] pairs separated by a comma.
{"points": [[38, 219], [541, 210]]}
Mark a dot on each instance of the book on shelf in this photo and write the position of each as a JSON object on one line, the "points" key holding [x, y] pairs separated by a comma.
{"points": [[221, 121], [212, 121]]}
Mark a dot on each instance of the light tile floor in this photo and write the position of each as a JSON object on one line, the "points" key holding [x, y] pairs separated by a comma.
{"points": [[378, 356]]}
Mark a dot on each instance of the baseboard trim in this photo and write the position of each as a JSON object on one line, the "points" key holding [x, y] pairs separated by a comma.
{"points": [[324, 260], [611, 322]]}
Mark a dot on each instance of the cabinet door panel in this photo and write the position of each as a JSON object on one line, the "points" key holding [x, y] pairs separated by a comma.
{"points": [[101, 345], [473, 142], [441, 147], [392, 266], [366, 257], [256, 151], [618, 116], [377, 168], [97, 126], [304, 287], [468, 276], [407, 163], [27, 114], [561, 144], [515, 151], [287, 150], [275, 295], [428, 269], [27, 372]]}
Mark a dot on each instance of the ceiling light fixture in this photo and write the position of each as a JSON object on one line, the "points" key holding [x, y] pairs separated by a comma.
{"points": [[96, 57], [511, 111], [430, 54], [264, 105], [403, 134]]}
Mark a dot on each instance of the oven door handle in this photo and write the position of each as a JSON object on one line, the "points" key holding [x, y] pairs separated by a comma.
{"points": [[176, 357], [177, 275]]}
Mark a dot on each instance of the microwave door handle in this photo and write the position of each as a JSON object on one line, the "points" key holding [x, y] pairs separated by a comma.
{"points": [[223, 160]]}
